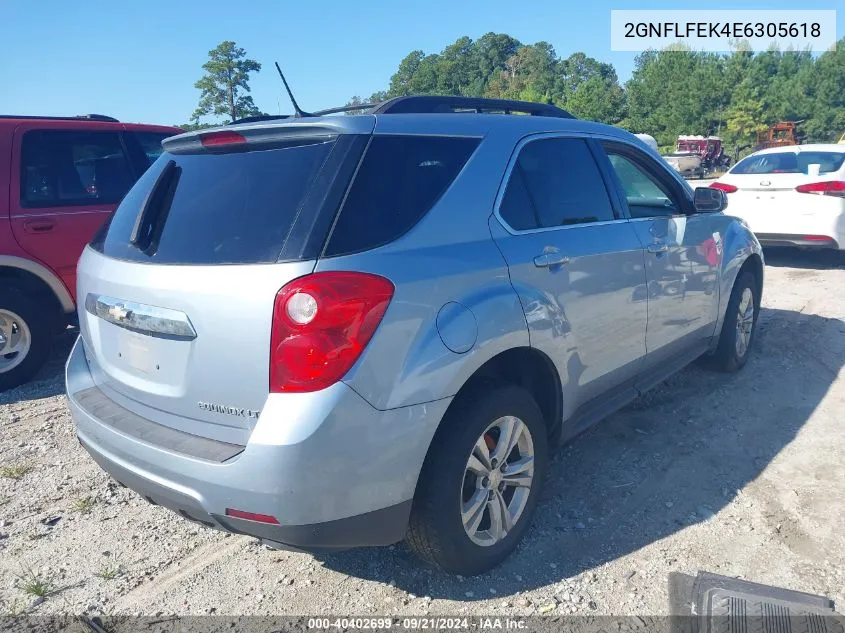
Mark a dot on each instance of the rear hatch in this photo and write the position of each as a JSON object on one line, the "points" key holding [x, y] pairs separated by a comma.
{"points": [[763, 190], [176, 292]]}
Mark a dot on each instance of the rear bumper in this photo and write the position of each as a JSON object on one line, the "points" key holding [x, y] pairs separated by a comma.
{"points": [[799, 241], [335, 474]]}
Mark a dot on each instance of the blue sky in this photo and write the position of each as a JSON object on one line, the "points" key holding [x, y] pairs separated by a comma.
{"points": [[138, 61]]}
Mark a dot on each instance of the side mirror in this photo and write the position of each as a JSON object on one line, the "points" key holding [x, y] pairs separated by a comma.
{"points": [[709, 200]]}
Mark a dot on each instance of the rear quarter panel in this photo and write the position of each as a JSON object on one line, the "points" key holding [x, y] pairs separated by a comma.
{"points": [[448, 257]]}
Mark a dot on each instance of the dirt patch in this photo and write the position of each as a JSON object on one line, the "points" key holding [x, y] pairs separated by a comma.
{"points": [[735, 474]]}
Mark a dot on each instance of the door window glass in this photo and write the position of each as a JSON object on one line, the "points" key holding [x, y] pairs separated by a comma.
{"points": [[646, 197], [555, 182], [62, 168]]}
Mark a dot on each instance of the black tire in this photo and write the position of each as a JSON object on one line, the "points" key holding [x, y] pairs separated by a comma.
{"points": [[727, 357], [436, 532], [41, 326]]}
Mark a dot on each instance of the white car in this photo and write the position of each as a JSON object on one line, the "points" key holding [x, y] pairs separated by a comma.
{"points": [[790, 196]]}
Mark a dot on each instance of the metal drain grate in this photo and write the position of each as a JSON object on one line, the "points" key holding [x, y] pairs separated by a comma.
{"points": [[709, 603]]}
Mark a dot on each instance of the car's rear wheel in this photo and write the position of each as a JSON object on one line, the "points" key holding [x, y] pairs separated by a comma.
{"points": [[739, 326], [481, 481], [25, 338]]}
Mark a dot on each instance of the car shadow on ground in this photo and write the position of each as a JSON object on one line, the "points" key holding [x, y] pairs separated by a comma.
{"points": [[50, 380], [673, 458], [796, 258]]}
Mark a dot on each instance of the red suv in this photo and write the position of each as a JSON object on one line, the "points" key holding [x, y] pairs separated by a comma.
{"points": [[60, 178]]}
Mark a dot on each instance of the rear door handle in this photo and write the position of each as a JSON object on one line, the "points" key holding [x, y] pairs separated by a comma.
{"points": [[658, 247], [38, 226], [550, 259]]}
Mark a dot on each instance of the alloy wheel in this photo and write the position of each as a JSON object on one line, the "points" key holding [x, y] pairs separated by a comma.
{"points": [[744, 322], [15, 340], [497, 481]]}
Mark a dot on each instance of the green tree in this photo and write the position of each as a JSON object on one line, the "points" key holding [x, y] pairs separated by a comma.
{"points": [[671, 92], [225, 85], [745, 116], [826, 122]]}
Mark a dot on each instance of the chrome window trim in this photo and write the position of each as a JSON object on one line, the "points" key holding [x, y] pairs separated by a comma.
{"points": [[142, 318], [507, 176]]}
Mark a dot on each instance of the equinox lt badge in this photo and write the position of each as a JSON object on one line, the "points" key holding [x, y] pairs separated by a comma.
{"points": [[236, 411]]}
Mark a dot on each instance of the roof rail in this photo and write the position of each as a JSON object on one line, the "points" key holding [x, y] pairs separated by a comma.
{"points": [[432, 104], [259, 117], [90, 117], [98, 117], [348, 108]]}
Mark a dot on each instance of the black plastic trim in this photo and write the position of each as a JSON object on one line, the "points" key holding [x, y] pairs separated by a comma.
{"points": [[371, 529], [783, 239], [108, 412]]}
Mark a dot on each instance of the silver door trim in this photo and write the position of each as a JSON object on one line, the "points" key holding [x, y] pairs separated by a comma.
{"points": [[141, 318]]}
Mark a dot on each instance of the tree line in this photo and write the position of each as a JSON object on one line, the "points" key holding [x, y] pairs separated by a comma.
{"points": [[670, 92]]}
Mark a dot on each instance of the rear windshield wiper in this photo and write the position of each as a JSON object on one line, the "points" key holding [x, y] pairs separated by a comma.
{"points": [[155, 208]]}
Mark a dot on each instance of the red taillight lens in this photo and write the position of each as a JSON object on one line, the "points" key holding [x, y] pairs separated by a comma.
{"points": [[829, 188], [251, 516], [216, 139], [321, 324], [723, 186], [816, 238]]}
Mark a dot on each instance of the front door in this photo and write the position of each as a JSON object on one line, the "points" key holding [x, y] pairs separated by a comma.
{"points": [[683, 255], [576, 264]]}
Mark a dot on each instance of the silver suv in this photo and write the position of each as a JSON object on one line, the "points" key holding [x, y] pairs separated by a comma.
{"points": [[338, 331]]}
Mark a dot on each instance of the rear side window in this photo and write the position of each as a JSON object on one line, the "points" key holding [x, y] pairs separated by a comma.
{"points": [[226, 208], [555, 182], [399, 180], [150, 143], [61, 168], [790, 163]]}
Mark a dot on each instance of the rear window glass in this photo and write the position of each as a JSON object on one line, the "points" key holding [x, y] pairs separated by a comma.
{"points": [[233, 208], [790, 163], [400, 179]]}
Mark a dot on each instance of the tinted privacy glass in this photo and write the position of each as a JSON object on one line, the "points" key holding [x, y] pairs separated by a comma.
{"points": [[646, 197], [555, 182], [61, 168], [225, 208], [150, 143], [790, 163], [400, 179]]}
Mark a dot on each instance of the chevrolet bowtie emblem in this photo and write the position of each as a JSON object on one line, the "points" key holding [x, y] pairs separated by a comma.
{"points": [[118, 313]]}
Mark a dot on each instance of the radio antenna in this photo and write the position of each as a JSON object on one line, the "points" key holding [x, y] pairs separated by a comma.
{"points": [[299, 112]]}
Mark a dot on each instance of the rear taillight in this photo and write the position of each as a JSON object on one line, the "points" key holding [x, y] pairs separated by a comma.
{"points": [[216, 139], [723, 186], [816, 238], [829, 188], [321, 324]]}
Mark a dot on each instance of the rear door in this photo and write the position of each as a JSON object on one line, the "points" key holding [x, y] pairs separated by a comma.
{"points": [[576, 264], [176, 294], [65, 183]]}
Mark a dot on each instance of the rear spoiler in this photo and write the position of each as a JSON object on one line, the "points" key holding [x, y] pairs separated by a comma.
{"points": [[263, 134]]}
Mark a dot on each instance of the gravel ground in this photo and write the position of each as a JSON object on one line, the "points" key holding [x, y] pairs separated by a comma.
{"points": [[734, 474]]}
